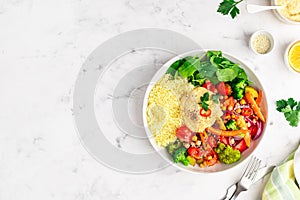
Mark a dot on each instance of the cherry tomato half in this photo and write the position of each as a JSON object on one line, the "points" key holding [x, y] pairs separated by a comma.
{"points": [[195, 152], [210, 86], [224, 88], [224, 140], [205, 113], [241, 146]]}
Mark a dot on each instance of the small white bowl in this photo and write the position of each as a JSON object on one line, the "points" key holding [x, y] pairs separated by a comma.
{"points": [[286, 56], [262, 32]]}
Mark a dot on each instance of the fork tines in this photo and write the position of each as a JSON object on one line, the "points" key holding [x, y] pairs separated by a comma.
{"points": [[252, 168]]}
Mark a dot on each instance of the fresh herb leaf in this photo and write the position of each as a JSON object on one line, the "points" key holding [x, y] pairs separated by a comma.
{"points": [[229, 7], [234, 12], [188, 68], [175, 66], [298, 107], [215, 98], [286, 109], [204, 101], [215, 68], [216, 61], [176, 75], [214, 53], [206, 69], [226, 69], [291, 102], [205, 97], [226, 74], [242, 75], [204, 105], [197, 79], [291, 113], [225, 7], [292, 117], [281, 104]]}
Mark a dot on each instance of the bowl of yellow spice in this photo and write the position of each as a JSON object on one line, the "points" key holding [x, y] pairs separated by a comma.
{"points": [[261, 42]]}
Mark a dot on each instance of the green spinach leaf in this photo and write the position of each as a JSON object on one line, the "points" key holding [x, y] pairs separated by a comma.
{"points": [[188, 68], [227, 74]]}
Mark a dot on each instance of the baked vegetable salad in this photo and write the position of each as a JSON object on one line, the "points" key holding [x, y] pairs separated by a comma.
{"points": [[204, 110]]}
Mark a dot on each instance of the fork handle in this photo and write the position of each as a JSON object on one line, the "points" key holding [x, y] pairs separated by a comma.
{"points": [[230, 191], [236, 192]]}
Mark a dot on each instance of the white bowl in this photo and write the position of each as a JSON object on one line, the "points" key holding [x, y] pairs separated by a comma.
{"points": [[286, 56], [281, 17], [262, 32], [218, 167]]}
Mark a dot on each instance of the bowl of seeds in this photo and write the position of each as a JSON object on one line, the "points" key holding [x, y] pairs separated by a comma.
{"points": [[261, 42]]}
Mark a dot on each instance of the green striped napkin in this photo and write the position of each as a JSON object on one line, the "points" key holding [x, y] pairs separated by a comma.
{"points": [[282, 183]]}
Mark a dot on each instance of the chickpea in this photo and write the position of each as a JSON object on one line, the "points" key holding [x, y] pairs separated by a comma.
{"points": [[198, 142], [238, 110], [230, 108], [248, 124], [227, 117], [186, 145], [194, 138]]}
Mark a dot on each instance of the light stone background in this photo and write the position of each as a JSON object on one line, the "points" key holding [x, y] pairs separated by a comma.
{"points": [[42, 47]]}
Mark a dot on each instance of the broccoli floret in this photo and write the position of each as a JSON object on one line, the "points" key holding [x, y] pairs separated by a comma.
{"points": [[238, 87], [231, 124], [226, 154], [241, 83], [175, 145], [179, 155], [237, 93]]}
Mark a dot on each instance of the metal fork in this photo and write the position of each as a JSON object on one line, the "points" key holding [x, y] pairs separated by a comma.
{"points": [[246, 180]]}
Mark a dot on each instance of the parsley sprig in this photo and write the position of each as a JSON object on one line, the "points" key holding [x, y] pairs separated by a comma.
{"points": [[215, 98], [204, 101], [291, 110], [229, 7]]}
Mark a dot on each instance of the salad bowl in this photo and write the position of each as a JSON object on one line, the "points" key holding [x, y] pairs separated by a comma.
{"points": [[219, 166]]}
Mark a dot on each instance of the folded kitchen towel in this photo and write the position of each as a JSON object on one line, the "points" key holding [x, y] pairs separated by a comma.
{"points": [[282, 183]]}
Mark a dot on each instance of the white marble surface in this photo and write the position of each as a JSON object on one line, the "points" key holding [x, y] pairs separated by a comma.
{"points": [[42, 47]]}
